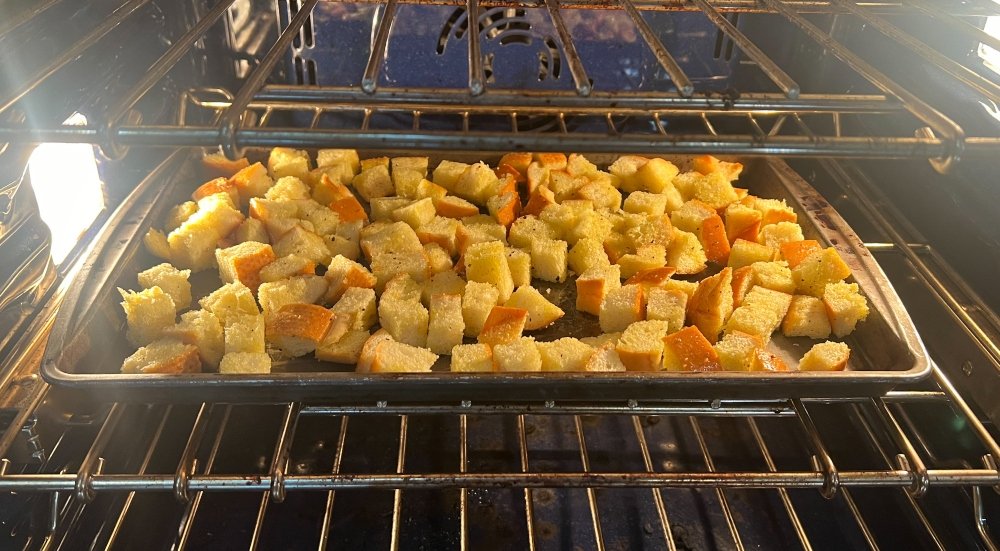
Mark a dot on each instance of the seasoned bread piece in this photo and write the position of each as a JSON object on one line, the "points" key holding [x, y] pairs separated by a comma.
{"points": [[487, 263], [447, 174], [647, 257], [451, 206], [565, 354], [397, 357], [367, 355], [826, 356], [541, 312], [602, 339], [178, 214], [586, 254], [503, 324], [737, 351], [218, 164], [707, 164], [384, 237], [235, 363], [294, 290], [448, 282], [192, 245], [605, 358], [252, 181], [251, 229], [526, 229], [745, 253], [472, 358], [766, 361], [760, 313], [331, 157], [518, 355], [654, 176], [389, 264], [479, 229], [416, 214], [171, 281], [689, 350], [288, 188], [519, 262], [374, 182], [715, 190], [549, 259], [164, 356], [806, 317], [442, 231], [590, 224], [202, 329], [669, 305], [438, 260], [427, 188], [405, 319], [641, 202], [284, 161], [712, 235], [345, 349], [686, 253], [343, 273], [218, 185], [742, 222], [446, 326], [407, 172], [245, 334], [641, 345], [772, 210], [243, 262], [594, 285], [229, 301], [711, 304], [149, 314], [277, 216], [359, 305], [302, 242], [817, 270], [691, 216], [773, 275], [622, 307], [286, 267], [652, 278], [776, 235], [742, 283], [845, 307], [795, 252], [540, 199], [156, 243], [504, 208], [477, 302], [477, 184], [298, 328]]}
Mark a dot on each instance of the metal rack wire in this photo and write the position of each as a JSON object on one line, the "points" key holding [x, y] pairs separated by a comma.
{"points": [[939, 136]]}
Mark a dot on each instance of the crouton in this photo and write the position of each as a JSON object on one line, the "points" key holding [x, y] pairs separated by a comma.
{"points": [[156, 243], [594, 285], [653, 175], [715, 190], [288, 188], [648, 257], [442, 231], [549, 259], [603, 339], [349, 209], [217, 185], [767, 361], [417, 213], [438, 260], [149, 314], [202, 329], [277, 217], [520, 354], [407, 172], [477, 302], [243, 262], [845, 307], [711, 304], [690, 216], [776, 235], [565, 354], [171, 281], [304, 243], [519, 262], [443, 282], [286, 267], [689, 350], [504, 208], [284, 161], [245, 363], [470, 233], [527, 228], [707, 164], [742, 222], [794, 252], [826, 356], [590, 224], [330, 157], [714, 241], [447, 174], [760, 313], [487, 263], [651, 278], [251, 229], [541, 312], [640, 347], [518, 160], [446, 325], [604, 359], [473, 358], [298, 328], [773, 211], [230, 301], [374, 182], [367, 355], [737, 351], [477, 184], [641, 202], [503, 324], [406, 320], [430, 190], [218, 164], [451, 206], [586, 255], [602, 195], [358, 305], [773, 275], [540, 199], [817, 270], [252, 181], [669, 305], [343, 273], [745, 253], [686, 253], [178, 214], [398, 357], [806, 317], [622, 307], [192, 245], [307, 289], [388, 264], [742, 283], [163, 356]]}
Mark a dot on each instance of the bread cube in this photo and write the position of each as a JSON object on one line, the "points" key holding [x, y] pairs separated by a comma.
{"points": [[503, 325], [447, 174], [745, 253], [712, 235], [451, 206], [416, 214], [518, 160], [651, 230], [616, 246], [587, 254], [243, 262], [539, 200], [286, 267], [776, 235], [442, 231], [668, 305], [288, 188], [398, 357], [594, 285], [640, 347], [648, 257], [686, 253], [344, 349], [324, 220], [192, 245], [604, 359], [407, 172], [383, 208], [386, 265], [428, 189], [565, 354], [711, 304], [178, 214], [773, 275], [519, 262], [760, 313], [641, 202], [737, 351], [715, 190], [845, 307], [686, 287], [301, 242], [477, 184], [625, 167], [472, 233], [477, 302], [473, 358], [163, 356], [438, 260], [149, 314], [446, 325], [773, 211], [526, 229], [171, 281], [652, 277], [349, 209], [549, 259], [563, 185], [603, 339], [520, 354], [330, 157], [202, 329], [245, 363], [447, 282], [278, 217], [251, 229], [707, 164], [602, 195], [245, 333], [541, 312], [536, 175], [298, 328], [308, 289], [689, 350], [374, 182], [652, 175], [504, 208], [742, 283], [382, 237], [156, 243], [344, 273], [826, 356], [742, 222], [818, 269], [622, 307], [592, 225], [230, 301], [794, 252], [358, 304], [252, 181], [405, 320], [690, 216], [806, 317], [284, 161], [487, 263]]}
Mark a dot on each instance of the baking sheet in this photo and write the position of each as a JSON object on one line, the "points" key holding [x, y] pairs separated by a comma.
{"points": [[88, 345]]}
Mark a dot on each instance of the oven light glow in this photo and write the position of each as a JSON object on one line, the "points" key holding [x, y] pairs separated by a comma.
{"points": [[67, 188]]}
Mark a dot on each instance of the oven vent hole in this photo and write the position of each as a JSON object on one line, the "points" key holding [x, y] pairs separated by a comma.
{"points": [[305, 38], [311, 72], [488, 68], [724, 46], [299, 73]]}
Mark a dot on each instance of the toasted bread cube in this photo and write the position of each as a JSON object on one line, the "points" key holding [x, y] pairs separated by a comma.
{"points": [[192, 245], [668, 305], [307, 289], [349, 209], [252, 229], [447, 282], [686, 253], [503, 325], [622, 307], [374, 162], [477, 184], [330, 157], [826, 356], [446, 327], [243, 262], [691, 215], [477, 302], [178, 214], [149, 314], [773, 275], [745, 253], [651, 230], [340, 174], [565, 354], [818, 269], [707, 164], [384, 208], [616, 246], [519, 262], [604, 359], [652, 278], [428, 189], [578, 165], [712, 235], [541, 312], [406, 320], [767, 361], [640, 347], [776, 235], [252, 181], [603, 339], [447, 174], [473, 358], [548, 259], [641, 202], [715, 190], [382, 237], [602, 195], [638, 174], [218, 165], [487, 263], [518, 160], [245, 333], [526, 229], [742, 222], [344, 273], [536, 175], [563, 185], [286, 267], [504, 208], [163, 356], [386, 265], [806, 317], [737, 351], [442, 231], [760, 313], [712, 303], [171, 281], [587, 254], [230, 301], [773, 211], [202, 329], [648, 257], [689, 350], [686, 287], [451, 206], [742, 283], [324, 220], [520, 354], [407, 172], [288, 188], [590, 225], [304, 243], [794, 252], [398, 357], [374, 182], [284, 161], [594, 285], [472, 233], [358, 304], [540, 199], [298, 328], [625, 167], [367, 356], [438, 259], [345, 349], [245, 363], [416, 214], [278, 217], [156, 243], [845, 307]]}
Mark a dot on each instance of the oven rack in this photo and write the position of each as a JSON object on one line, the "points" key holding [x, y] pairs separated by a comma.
{"points": [[934, 134]]}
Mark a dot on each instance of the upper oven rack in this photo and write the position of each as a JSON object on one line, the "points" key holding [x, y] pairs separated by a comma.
{"points": [[761, 128]]}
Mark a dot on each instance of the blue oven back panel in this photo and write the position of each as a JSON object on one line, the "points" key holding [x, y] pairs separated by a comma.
{"points": [[428, 47]]}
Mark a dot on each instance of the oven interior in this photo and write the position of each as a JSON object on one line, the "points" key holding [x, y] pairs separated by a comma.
{"points": [[887, 108]]}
